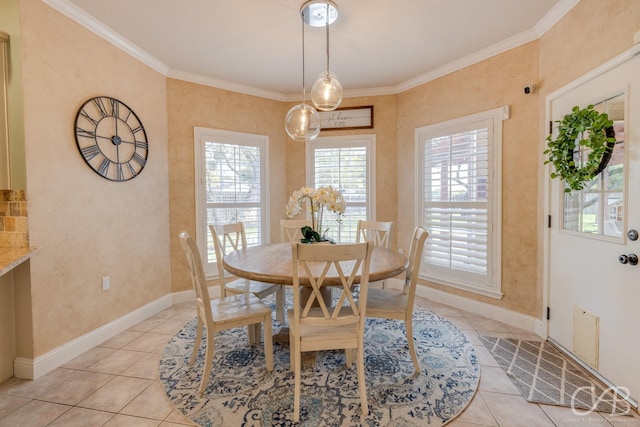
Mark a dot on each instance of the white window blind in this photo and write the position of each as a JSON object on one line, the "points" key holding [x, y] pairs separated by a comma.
{"points": [[231, 185], [344, 163], [459, 202]]}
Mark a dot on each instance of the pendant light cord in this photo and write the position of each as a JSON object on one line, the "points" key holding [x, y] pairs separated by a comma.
{"points": [[327, 31], [304, 95]]}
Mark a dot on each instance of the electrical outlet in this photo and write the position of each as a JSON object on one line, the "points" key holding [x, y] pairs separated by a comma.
{"points": [[106, 283]]}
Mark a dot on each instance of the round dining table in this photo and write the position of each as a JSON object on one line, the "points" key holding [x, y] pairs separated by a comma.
{"points": [[272, 263]]}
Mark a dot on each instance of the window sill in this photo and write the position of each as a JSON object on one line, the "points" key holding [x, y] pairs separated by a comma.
{"points": [[491, 293]]}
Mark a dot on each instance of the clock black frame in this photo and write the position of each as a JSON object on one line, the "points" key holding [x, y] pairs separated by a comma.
{"points": [[111, 138]]}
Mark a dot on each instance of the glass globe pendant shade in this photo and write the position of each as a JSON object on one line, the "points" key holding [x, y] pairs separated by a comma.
{"points": [[302, 123], [326, 92]]}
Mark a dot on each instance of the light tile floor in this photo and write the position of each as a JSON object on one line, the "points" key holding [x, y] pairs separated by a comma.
{"points": [[115, 384]]}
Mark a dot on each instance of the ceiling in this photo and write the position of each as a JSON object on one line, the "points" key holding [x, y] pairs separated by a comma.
{"points": [[255, 46]]}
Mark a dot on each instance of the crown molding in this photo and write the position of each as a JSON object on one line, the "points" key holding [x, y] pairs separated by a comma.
{"points": [[89, 22], [555, 14], [225, 85], [78, 15], [481, 55]]}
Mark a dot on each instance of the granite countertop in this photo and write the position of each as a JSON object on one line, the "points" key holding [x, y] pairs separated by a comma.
{"points": [[12, 257]]}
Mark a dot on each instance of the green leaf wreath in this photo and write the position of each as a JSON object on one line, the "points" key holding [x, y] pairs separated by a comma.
{"points": [[582, 127]]}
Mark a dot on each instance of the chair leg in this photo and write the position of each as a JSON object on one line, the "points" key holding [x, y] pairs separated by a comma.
{"points": [[412, 348], [268, 342], [292, 350], [349, 354], [362, 386], [257, 332], [280, 294], [297, 368], [208, 361], [251, 334], [196, 343]]}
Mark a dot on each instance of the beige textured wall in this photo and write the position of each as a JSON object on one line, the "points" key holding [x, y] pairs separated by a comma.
{"points": [[190, 105], [85, 226], [593, 32], [384, 127], [492, 83]]}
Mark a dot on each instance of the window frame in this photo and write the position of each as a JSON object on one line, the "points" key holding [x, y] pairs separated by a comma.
{"points": [[5, 145], [492, 286], [203, 135], [366, 140]]}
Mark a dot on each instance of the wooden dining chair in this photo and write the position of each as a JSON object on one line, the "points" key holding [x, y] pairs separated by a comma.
{"points": [[228, 237], [398, 303], [222, 313], [313, 325], [290, 229], [378, 232]]}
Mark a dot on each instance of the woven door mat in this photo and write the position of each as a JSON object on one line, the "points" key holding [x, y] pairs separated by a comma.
{"points": [[543, 374]]}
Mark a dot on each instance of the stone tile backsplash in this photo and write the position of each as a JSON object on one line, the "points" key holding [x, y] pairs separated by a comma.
{"points": [[14, 224]]}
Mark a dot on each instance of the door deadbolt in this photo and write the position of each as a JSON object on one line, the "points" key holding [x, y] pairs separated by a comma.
{"points": [[631, 259], [632, 234]]}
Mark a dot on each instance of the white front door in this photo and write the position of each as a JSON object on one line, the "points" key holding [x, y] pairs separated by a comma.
{"points": [[594, 299]]}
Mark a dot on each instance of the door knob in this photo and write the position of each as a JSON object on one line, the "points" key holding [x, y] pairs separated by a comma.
{"points": [[628, 259]]}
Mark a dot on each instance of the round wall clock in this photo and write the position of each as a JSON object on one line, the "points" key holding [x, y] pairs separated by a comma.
{"points": [[111, 138]]}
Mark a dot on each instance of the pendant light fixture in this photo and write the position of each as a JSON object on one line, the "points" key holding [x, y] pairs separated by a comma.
{"points": [[326, 93], [302, 122]]}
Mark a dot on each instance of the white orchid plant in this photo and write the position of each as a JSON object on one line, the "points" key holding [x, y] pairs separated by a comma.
{"points": [[319, 199]]}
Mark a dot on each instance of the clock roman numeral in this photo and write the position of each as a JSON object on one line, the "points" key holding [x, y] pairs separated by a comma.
{"points": [[142, 144], [132, 170], [136, 130], [85, 133], [138, 158], [115, 107], [90, 151], [86, 115], [103, 169], [99, 103], [120, 172]]}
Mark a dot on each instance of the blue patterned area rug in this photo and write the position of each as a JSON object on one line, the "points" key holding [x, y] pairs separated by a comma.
{"points": [[242, 393]]}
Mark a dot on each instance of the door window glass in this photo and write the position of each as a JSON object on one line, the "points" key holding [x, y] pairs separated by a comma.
{"points": [[598, 209]]}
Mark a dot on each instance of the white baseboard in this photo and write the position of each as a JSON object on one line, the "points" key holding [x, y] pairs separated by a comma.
{"points": [[500, 314], [182, 296], [187, 296], [32, 369]]}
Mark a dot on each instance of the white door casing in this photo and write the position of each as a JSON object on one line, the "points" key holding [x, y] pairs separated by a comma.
{"points": [[582, 270]]}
